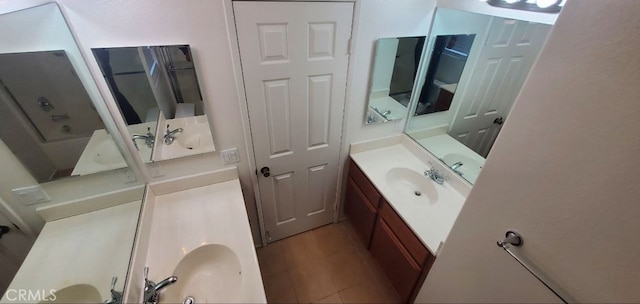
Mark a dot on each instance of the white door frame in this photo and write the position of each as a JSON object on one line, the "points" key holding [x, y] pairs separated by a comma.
{"points": [[246, 127]]}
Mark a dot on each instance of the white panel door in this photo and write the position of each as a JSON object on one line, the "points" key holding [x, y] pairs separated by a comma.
{"points": [[294, 62], [503, 64], [14, 247]]}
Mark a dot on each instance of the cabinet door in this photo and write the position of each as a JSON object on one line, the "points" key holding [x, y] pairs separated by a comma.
{"points": [[396, 262], [360, 211]]}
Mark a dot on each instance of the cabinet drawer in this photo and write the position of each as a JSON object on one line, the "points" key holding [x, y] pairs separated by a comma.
{"points": [[414, 246], [365, 185], [360, 211], [395, 261]]}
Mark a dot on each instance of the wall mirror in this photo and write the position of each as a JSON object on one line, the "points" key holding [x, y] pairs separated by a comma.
{"points": [[47, 117], [395, 68], [475, 68], [54, 122], [156, 89]]}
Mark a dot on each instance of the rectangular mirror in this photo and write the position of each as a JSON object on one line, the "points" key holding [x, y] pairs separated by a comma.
{"points": [[475, 67], [156, 89], [395, 67], [47, 118], [55, 124]]}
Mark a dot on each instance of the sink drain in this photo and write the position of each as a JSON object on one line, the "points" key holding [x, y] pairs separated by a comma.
{"points": [[417, 193], [189, 300]]}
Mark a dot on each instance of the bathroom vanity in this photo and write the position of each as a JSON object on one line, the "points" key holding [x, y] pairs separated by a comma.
{"points": [[402, 216], [196, 228]]}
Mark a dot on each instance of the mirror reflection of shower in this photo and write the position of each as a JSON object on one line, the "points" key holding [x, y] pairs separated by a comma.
{"points": [[147, 80], [47, 118]]}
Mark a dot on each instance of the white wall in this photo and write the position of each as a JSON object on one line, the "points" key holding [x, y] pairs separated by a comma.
{"points": [[562, 172]]}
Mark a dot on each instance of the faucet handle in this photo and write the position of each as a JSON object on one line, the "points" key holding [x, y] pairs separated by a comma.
{"points": [[113, 283], [146, 273]]}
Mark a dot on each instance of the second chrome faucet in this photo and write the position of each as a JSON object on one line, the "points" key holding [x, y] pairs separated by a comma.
{"points": [[151, 288], [170, 136]]}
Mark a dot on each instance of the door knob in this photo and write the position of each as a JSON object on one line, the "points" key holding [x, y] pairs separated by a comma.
{"points": [[3, 230], [265, 171], [498, 121]]}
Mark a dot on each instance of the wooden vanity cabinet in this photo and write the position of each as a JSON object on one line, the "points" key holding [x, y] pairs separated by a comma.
{"points": [[400, 254], [397, 250], [361, 203]]}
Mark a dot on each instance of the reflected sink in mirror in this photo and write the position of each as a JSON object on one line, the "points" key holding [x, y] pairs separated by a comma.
{"points": [[100, 154], [465, 166], [194, 139], [80, 293], [410, 185], [208, 274], [107, 153]]}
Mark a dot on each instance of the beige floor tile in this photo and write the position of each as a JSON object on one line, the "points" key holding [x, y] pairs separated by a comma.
{"points": [[332, 238], [334, 298], [312, 281], [363, 293], [279, 288], [271, 259], [300, 250], [381, 280], [347, 269]]}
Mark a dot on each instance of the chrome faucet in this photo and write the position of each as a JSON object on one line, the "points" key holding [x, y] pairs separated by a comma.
{"points": [[151, 289], [116, 296], [170, 136], [435, 175], [149, 139], [455, 167]]}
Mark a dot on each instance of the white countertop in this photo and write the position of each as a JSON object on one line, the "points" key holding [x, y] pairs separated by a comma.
{"points": [[387, 103], [430, 221], [185, 220], [86, 249]]}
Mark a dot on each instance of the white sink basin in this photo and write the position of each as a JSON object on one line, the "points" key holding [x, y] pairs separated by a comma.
{"points": [[410, 185], [210, 273], [197, 136], [107, 153], [194, 139], [100, 154], [470, 168], [80, 293]]}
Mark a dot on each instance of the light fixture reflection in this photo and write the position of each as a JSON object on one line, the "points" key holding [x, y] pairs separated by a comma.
{"points": [[540, 6]]}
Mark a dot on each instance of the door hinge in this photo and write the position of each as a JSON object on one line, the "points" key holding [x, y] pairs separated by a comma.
{"points": [[349, 47], [267, 235]]}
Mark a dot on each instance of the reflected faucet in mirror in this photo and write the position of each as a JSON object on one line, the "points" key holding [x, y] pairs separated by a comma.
{"points": [[149, 139], [170, 135]]}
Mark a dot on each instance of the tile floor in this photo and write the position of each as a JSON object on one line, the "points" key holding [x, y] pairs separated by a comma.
{"points": [[325, 265]]}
